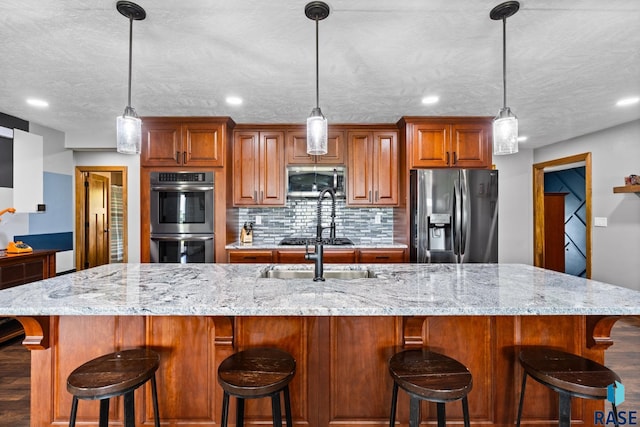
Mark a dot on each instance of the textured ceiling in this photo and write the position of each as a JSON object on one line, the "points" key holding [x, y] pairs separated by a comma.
{"points": [[568, 61]]}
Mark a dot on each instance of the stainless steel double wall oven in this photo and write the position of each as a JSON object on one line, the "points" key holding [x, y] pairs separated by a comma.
{"points": [[182, 217]]}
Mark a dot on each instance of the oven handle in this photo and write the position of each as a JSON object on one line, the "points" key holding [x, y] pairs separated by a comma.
{"points": [[182, 237], [182, 188]]}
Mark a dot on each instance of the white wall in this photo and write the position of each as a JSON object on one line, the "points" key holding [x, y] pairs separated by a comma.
{"points": [[515, 210], [102, 158], [615, 154]]}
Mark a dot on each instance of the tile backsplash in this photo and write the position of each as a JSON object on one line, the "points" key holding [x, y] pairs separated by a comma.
{"points": [[299, 216]]}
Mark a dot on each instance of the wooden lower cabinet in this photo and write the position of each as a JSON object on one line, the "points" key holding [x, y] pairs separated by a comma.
{"points": [[341, 378], [330, 256], [368, 256], [250, 257]]}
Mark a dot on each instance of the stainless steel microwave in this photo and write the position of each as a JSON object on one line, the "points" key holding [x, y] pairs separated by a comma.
{"points": [[309, 180]]}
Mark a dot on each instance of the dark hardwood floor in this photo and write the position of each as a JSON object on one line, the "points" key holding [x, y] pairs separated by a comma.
{"points": [[622, 357]]}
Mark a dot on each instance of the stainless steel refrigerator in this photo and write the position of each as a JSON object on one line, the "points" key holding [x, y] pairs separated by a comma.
{"points": [[454, 216]]}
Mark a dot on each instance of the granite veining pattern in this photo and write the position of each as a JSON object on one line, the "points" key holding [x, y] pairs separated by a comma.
{"points": [[238, 289]]}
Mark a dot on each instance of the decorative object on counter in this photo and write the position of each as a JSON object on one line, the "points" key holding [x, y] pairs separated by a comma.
{"points": [[112, 375], [10, 210], [505, 124], [18, 248], [129, 125], [317, 131], [246, 234], [628, 180]]}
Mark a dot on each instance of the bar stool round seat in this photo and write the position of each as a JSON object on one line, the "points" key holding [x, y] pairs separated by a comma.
{"points": [[111, 375], [256, 373], [568, 374], [430, 376]]}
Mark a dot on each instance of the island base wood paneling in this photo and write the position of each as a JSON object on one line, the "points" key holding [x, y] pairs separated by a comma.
{"points": [[342, 375]]}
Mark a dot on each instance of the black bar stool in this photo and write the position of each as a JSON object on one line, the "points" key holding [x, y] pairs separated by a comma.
{"points": [[256, 373], [430, 376], [568, 374], [111, 375]]}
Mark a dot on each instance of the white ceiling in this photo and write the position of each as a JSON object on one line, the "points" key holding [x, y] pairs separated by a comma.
{"points": [[568, 61]]}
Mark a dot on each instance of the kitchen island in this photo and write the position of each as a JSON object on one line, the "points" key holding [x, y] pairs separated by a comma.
{"points": [[341, 332]]}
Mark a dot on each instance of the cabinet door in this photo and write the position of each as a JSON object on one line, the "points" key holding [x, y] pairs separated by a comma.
{"points": [[430, 145], [368, 256], [470, 145], [246, 256], [161, 144], [359, 179], [246, 167], [385, 168], [272, 185], [203, 145], [297, 149]]}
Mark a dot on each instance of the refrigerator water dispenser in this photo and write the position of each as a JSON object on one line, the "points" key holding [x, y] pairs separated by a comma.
{"points": [[440, 232]]}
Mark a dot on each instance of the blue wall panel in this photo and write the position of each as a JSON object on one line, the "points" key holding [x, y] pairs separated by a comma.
{"points": [[58, 197]]}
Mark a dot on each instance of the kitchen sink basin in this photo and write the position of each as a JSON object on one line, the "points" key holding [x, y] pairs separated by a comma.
{"points": [[308, 274]]}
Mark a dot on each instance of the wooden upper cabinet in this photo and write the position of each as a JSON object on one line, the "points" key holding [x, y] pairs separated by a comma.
{"points": [[373, 168], [297, 149], [452, 142], [172, 142], [258, 168]]}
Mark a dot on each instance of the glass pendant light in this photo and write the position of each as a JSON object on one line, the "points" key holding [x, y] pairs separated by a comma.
{"points": [[317, 133], [129, 125], [505, 124]]}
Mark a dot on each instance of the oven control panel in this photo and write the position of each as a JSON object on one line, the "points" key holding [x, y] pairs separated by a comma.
{"points": [[181, 177]]}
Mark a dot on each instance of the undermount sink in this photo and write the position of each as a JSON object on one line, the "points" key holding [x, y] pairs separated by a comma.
{"points": [[273, 273]]}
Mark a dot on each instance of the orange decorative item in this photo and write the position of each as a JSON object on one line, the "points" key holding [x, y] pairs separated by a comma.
{"points": [[18, 248], [10, 210]]}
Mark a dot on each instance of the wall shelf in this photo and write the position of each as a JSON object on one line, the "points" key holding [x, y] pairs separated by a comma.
{"points": [[627, 189]]}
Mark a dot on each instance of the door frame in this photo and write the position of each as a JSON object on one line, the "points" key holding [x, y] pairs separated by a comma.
{"points": [[80, 208], [538, 205]]}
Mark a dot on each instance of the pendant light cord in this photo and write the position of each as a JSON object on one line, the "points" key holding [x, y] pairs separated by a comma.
{"points": [[130, 56], [317, 68], [504, 62]]}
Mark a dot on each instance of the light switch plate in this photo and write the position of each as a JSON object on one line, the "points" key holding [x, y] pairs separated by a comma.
{"points": [[600, 221], [258, 220]]}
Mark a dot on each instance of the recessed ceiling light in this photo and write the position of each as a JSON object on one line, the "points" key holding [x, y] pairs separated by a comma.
{"points": [[40, 103], [522, 138], [628, 101], [427, 100], [234, 100]]}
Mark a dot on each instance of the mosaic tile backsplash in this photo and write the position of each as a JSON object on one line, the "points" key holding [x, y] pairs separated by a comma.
{"points": [[299, 216]]}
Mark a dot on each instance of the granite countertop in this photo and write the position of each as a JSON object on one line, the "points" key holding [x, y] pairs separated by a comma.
{"points": [[276, 245], [237, 289]]}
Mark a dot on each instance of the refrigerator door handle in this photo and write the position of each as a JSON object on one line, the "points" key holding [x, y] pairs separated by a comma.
{"points": [[456, 218], [464, 190]]}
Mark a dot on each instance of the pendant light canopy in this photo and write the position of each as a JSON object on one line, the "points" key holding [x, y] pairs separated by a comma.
{"points": [[129, 126], [317, 132], [505, 125]]}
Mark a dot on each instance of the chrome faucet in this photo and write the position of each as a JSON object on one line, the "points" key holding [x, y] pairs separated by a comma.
{"points": [[318, 256]]}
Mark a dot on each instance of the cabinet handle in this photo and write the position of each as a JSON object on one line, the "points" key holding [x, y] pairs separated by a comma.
{"points": [[250, 257], [447, 158], [184, 157], [377, 196], [369, 198], [177, 157], [261, 196], [255, 195], [455, 157], [382, 257]]}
